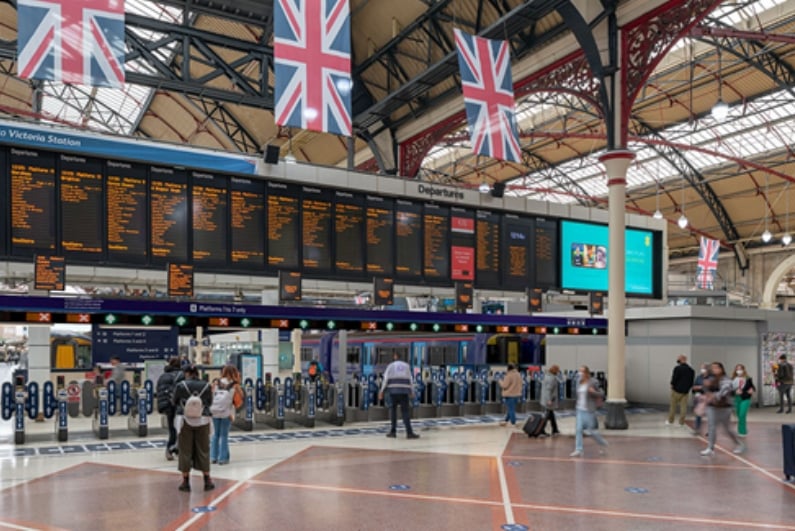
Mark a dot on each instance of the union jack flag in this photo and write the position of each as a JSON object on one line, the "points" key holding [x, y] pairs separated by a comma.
{"points": [[488, 96], [71, 41], [312, 65], [707, 264]]}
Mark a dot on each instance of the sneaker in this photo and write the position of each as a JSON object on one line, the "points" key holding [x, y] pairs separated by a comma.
{"points": [[185, 486], [391, 435], [208, 484], [707, 452], [576, 453], [780, 411], [503, 423], [668, 423], [169, 455], [214, 461], [739, 450], [555, 433], [413, 436]]}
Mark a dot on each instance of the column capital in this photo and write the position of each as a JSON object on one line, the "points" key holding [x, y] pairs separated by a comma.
{"points": [[617, 163]]}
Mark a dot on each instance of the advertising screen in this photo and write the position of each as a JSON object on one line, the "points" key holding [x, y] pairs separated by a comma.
{"points": [[585, 255]]}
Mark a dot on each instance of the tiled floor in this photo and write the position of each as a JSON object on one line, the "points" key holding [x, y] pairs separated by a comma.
{"points": [[463, 474]]}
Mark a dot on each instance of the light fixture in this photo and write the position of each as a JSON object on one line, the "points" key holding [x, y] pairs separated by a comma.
{"points": [[721, 109], [682, 222], [484, 187], [767, 235], [786, 239], [657, 214]]}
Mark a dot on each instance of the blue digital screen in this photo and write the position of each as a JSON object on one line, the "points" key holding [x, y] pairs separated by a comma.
{"points": [[585, 255]]}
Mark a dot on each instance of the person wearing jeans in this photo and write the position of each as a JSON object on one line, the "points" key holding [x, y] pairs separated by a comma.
{"points": [[588, 398], [511, 391]]}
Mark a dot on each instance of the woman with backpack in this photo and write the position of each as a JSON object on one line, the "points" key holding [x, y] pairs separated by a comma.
{"points": [[171, 376], [192, 399], [227, 397]]}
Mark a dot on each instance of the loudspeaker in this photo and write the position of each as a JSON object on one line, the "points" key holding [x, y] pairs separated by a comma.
{"points": [[271, 154], [498, 189]]}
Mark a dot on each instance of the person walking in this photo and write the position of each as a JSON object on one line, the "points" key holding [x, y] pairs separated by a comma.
{"points": [[784, 380], [743, 390], [511, 387], [589, 398], [719, 392], [400, 384], [699, 410], [171, 376], [681, 383], [550, 396], [193, 427]]}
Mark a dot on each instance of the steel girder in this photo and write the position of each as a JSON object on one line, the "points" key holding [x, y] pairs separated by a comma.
{"points": [[245, 141]]}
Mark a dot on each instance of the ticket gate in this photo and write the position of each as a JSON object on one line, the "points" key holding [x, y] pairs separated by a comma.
{"points": [[270, 403], [244, 418], [330, 403]]}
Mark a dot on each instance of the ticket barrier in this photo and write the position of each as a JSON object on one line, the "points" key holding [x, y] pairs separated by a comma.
{"points": [[426, 402], [357, 405], [330, 403], [300, 401], [244, 418], [99, 422], [444, 395], [465, 387], [489, 394], [137, 421], [271, 401]]}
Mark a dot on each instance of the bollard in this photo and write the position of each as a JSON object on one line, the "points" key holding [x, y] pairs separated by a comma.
{"points": [[20, 397], [100, 421], [62, 426]]}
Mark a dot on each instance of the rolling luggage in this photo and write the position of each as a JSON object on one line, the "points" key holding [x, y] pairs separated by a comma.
{"points": [[788, 440], [534, 425]]}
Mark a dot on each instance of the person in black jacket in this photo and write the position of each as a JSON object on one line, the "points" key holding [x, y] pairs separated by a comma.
{"points": [[681, 383], [194, 432], [165, 393]]}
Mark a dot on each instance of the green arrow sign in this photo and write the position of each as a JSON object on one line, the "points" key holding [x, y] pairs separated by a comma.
{"points": [[413, 327], [245, 322], [147, 319], [390, 326], [304, 323], [111, 319], [331, 325], [182, 320], [436, 327]]}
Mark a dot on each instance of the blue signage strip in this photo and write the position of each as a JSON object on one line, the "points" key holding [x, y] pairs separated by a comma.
{"points": [[51, 138], [133, 345]]}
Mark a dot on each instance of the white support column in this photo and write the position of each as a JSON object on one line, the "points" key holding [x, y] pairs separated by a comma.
{"points": [[616, 163], [39, 354]]}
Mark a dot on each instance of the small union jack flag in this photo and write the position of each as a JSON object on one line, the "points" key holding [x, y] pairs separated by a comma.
{"points": [[71, 41], [312, 65], [485, 67], [707, 264]]}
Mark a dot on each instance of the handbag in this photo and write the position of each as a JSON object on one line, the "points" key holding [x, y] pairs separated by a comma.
{"points": [[700, 406]]}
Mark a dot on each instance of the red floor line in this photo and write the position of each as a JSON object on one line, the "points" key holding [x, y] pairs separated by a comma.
{"points": [[393, 494], [18, 524], [758, 469], [649, 516], [620, 462]]}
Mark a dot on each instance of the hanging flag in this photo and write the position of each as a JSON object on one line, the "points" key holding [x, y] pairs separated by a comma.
{"points": [[485, 67], [71, 41], [312, 65], [707, 265]]}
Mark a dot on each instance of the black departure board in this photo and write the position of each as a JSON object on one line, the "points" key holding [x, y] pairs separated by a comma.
{"points": [[380, 236], [436, 242], [49, 273], [125, 207], [32, 202], [545, 251], [247, 222], [383, 291], [81, 193], [209, 214], [289, 286], [462, 244], [349, 230], [408, 239], [316, 216], [180, 280], [283, 222], [487, 249], [517, 235], [168, 215], [3, 204]]}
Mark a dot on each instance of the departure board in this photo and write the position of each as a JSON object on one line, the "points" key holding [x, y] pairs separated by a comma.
{"points": [[487, 249], [316, 210], [32, 202], [81, 195], [349, 230], [517, 234], [125, 207], [380, 236], [462, 248], [168, 215], [545, 251], [283, 223], [408, 239], [3, 204], [436, 242], [247, 223], [289, 286], [49, 273], [180, 280], [209, 214]]}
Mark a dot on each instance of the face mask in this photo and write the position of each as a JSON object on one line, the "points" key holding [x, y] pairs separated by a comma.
{"points": [[703, 371], [739, 372]]}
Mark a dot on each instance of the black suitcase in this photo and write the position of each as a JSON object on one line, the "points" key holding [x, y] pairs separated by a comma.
{"points": [[534, 425], [788, 442]]}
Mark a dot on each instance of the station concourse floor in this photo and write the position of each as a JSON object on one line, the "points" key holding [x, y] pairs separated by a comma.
{"points": [[462, 474]]}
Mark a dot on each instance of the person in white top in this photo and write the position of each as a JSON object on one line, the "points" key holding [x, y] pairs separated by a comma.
{"points": [[589, 398], [400, 384]]}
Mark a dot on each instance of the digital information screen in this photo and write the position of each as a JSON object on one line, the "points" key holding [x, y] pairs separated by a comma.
{"points": [[289, 286], [168, 216], [585, 255], [383, 291], [32, 202], [380, 236], [545, 250], [247, 223], [316, 228], [210, 215], [408, 239], [3, 204], [81, 195], [464, 296], [283, 224], [436, 242], [462, 248], [487, 249], [125, 205], [349, 231], [134, 345], [517, 234], [180, 280], [49, 273]]}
